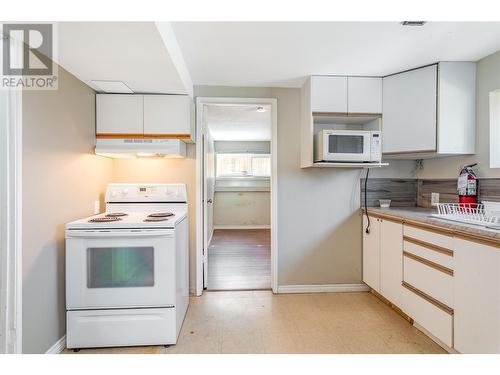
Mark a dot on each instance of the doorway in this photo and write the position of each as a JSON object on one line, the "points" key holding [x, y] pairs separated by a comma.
{"points": [[236, 221]]}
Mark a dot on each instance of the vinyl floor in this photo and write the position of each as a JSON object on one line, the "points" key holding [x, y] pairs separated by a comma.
{"points": [[262, 322], [239, 259]]}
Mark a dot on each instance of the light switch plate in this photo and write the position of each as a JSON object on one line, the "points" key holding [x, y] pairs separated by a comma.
{"points": [[434, 199], [97, 207]]}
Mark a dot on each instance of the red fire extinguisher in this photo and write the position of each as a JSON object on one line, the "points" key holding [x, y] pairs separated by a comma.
{"points": [[467, 186]]}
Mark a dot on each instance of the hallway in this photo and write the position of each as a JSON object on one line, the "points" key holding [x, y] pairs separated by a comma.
{"points": [[239, 259]]}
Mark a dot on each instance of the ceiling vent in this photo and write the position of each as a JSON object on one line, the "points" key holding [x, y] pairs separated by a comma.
{"points": [[413, 23]]}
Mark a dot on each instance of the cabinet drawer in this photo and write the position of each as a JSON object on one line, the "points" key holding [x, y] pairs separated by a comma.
{"points": [[434, 282], [430, 252], [428, 236], [120, 327], [426, 314]]}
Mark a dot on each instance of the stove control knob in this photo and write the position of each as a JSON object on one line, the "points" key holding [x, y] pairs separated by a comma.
{"points": [[114, 193], [124, 192]]}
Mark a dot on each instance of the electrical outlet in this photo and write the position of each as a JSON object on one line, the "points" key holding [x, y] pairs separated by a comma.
{"points": [[434, 199], [97, 207]]}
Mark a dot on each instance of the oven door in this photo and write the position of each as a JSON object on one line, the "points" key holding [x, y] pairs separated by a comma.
{"points": [[346, 146], [120, 268]]}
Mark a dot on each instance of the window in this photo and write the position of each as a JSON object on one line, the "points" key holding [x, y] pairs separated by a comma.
{"points": [[495, 129], [243, 165]]}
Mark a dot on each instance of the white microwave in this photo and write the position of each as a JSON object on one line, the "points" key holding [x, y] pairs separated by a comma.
{"points": [[358, 146]]}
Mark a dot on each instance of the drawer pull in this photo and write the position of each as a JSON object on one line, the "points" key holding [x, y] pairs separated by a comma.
{"points": [[428, 298], [428, 263], [429, 246]]}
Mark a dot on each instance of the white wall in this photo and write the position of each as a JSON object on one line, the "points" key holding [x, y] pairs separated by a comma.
{"points": [[61, 180], [488, 79], [319, 231]]}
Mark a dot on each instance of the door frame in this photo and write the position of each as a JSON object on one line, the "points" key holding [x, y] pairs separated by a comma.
{"points": [[11, 223], [201, 102]]}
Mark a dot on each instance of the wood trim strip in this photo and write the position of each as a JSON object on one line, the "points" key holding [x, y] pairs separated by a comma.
{"points": [[488, 241], [393, 306], [118, 135], [394, 219], [429, 227], [428, 263], [364, 114], [478, 239], [158, 136], [428, 245], [168, 136], [428, 298]]}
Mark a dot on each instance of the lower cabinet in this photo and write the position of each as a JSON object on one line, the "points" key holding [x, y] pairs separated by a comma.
{"points": [[449, 286], [477, 297], [371, 253], [391, 253], [382, 257]]}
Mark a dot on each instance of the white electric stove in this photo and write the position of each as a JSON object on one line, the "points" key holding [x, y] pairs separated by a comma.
{"points": [[127, 275]]}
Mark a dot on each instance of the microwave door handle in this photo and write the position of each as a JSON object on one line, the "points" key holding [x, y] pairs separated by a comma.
{"points": [[110, 234]]}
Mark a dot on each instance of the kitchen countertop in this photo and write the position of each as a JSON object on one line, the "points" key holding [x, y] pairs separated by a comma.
{"points": [[422, 217]]}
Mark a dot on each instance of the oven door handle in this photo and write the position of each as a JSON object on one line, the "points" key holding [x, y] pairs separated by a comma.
{"points": [[109, 234]]}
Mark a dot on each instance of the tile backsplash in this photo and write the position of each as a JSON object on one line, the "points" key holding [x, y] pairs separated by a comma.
{"points": [[401, 192], [417, 192]]}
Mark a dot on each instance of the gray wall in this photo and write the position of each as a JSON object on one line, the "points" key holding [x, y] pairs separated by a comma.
{"points": [[61, 180], [488, 79], [319, 234]]}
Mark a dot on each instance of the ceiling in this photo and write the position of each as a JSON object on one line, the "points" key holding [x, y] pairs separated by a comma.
{"points": [[239, 122], [135, 53], [283, 54]]}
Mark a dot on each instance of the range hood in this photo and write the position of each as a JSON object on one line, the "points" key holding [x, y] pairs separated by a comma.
{"points": [[140, 147]]}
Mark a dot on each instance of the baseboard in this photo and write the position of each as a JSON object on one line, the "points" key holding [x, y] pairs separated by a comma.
{"points": [[222, 226], [58, 347], [323, 288]]}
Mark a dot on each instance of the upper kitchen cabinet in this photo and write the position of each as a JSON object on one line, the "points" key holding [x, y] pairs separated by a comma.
{"points": [[364, 95], [329, 94], [430, 111], [167, 115], [144, 116], [346, 95], [335, 103], [119, 115]]}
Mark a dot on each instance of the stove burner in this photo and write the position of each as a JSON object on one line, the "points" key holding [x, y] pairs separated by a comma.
{"points": [[116, 214], [155, 218], [104, 219], [160, 215]]}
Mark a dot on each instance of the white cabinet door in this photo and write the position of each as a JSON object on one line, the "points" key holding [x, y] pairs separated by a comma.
{"points": [[409, 111], [364, 95], [371, 253], [391, 261], [476, 297], [167, 115], [329, 94], [119, 114]]}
